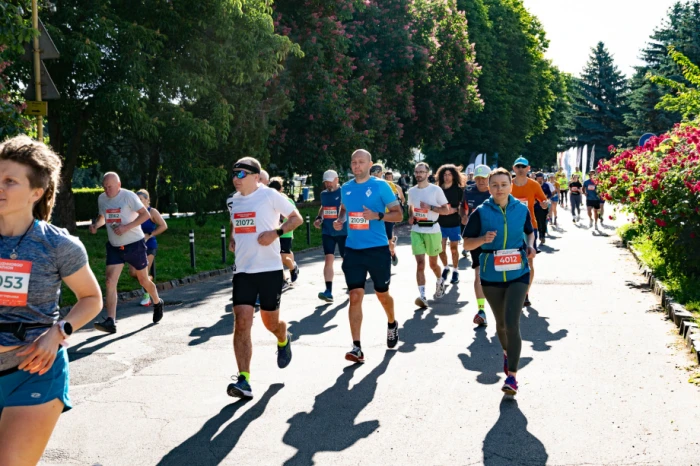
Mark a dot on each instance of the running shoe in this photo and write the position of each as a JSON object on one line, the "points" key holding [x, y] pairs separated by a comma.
{"points": [[455, 277], [510, 387], [464, 253], [284, 353], [601, 220], [527, 302], [574, 219], [326, 296], [480, 318], [421, 302], [294, 272], [445, 273], [286, 286], [392, 336], [355, 355], [543, 240], [146, 301], [394, 260], [240, 389], [505, 364], [107, 325], [158, 312], [440, 289]]}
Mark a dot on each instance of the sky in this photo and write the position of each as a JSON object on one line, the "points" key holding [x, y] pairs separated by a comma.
{"points": [[574, 26]]}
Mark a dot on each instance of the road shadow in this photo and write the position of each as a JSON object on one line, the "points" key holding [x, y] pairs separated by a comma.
{"points": [[643, 287], [419, 329], [509, 443], [535, 329], [224, 326], [76, 353], [599, 233], [547, 249], [315, 323], [486, 357], [206, 447], [331, 426]]}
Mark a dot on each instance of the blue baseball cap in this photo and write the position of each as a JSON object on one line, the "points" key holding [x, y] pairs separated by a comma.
{"points": [[521, 161]]}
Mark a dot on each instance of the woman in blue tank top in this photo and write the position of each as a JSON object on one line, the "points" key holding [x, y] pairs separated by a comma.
{"points": [[152, 227]]}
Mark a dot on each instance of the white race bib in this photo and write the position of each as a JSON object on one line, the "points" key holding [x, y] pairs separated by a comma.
{"points": [[113, 216], [14, 282], [330, 212], [420, 214], [357, 221], [244, 222], [507, 259]]}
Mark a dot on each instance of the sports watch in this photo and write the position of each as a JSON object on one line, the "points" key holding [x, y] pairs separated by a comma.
{"points": [[66, 328]]}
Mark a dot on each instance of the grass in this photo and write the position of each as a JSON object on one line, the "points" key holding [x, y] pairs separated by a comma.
{"points": [[173, 259], [683, 288]]}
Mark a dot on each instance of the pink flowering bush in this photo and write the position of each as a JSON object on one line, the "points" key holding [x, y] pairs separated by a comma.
{"points": [[660, 184]]}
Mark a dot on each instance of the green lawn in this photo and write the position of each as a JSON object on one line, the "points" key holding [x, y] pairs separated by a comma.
{"points": [[173, 259]]}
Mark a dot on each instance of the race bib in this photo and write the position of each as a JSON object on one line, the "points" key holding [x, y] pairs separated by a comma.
{"points": [[113, 216], [244, 222], [523, 201], [420, 214], [357, 221], [591, 187], [330, 212], [14, 282], [507, 259]]}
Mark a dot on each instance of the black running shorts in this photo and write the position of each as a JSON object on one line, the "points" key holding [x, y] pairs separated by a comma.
{"points": [[594, 204], [247, 287], [285, 245], [357, 263]]}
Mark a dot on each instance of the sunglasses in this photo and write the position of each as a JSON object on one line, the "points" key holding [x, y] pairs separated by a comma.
{"points": [[521, 166], [240, 174]]}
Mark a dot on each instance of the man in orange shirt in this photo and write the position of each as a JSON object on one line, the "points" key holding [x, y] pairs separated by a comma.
{"points": [[528, 192]]}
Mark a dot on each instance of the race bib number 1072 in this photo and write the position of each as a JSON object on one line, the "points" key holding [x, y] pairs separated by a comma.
{"points": [[14, 282]]}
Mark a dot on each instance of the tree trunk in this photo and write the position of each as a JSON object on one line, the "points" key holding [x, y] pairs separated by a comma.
{"points": [[153, 165]]}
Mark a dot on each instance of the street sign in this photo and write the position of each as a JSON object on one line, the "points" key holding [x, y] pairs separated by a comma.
{"points": [[48, 88], [36, 108], [643, 140], [46, 46]]}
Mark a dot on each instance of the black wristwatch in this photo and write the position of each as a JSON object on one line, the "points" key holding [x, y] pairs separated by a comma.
{"points": [[279, 232], [381, 215]]}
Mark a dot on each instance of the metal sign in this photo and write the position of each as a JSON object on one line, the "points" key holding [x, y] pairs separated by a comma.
{"points": [[643, 140], [37, 108], [46, 46], [48, 88]]}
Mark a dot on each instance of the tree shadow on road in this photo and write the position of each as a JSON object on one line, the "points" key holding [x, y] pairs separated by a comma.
{"points": [[535, 328], [509, 443], [224, 326], [315, 323], [207, 448], [486, 357], [76, 352], [643, 287], [331, 426]]}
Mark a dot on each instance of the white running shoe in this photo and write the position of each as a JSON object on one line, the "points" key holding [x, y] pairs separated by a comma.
{"points": [[146, 301], [421, 302], [440, 289]]}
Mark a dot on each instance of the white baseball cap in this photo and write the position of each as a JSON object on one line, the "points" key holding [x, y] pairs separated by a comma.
{"points": [[482, 171], [330, 175]]}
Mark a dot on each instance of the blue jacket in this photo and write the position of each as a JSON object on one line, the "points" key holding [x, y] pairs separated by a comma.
{"points": [[509, 227]]}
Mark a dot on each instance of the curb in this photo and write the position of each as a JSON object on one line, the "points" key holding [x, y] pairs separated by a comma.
{"points": [[677, 313]]}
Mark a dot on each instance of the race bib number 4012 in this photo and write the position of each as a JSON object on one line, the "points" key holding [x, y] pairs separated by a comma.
{"points": [[244, 222], [357, 221], [507, 259], [14, 282]]}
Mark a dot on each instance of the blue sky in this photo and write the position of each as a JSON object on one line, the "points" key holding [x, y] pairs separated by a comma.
{"points": [[574, 26]]}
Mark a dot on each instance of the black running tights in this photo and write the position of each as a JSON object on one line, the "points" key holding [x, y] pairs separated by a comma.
{"points": [[575, 204], [507, 305]]}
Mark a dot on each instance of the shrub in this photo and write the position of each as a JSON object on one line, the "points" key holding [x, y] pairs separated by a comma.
{"points": [[86, 203]]}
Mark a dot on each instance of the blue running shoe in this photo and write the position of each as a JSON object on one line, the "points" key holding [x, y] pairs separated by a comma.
{"points": [[326, 296], [480, 318], [510, 387], [240, 389], [464, 253], [284, 353], [505, 364], [455, 277]]}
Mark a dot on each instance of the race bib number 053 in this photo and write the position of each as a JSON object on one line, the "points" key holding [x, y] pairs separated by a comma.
{"points": [[507, 259], [14, 282], [357, 221], [244, 222]]}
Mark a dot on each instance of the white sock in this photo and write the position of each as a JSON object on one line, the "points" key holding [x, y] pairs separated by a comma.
{"points": [[421, 290]]}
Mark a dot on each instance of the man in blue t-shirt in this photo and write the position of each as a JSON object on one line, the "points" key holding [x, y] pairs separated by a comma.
{"points": [[540, 212], [590, 187], [366, 203], [327, 214]]}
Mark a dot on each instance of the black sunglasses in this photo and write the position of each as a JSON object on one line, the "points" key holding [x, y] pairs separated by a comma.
{"points": [[521, 166], [240, 174]]}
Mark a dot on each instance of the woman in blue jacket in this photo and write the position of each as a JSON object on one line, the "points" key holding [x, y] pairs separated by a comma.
{"points": [[501, 227]]}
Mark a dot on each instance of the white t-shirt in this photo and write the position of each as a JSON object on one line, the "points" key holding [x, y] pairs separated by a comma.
{"points": [[432, 195], [251, 215], [120, 210]]}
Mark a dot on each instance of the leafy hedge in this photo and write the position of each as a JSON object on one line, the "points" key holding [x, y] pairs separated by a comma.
{"points": [[86, 203]]}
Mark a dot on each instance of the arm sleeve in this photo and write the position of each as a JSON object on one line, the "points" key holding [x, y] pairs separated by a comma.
{"points": [[473, 228], [71, 256], [527, 228], [280, 203]]}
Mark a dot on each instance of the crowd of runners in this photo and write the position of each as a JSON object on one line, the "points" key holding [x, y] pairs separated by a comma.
{"points": [[500, 217]]}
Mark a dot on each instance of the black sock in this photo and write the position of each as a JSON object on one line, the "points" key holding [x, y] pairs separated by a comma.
{"points": [[329, 287], [392, 325], [357, 343]]}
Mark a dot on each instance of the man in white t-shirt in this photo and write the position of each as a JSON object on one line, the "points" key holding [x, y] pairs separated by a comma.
{"points": [[426, 202], [255, 218], [123, 213]]}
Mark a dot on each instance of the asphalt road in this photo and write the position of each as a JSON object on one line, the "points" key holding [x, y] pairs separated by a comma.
{"points": [[603, 379]]}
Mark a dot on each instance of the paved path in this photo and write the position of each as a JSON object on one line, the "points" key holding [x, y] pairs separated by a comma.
{"points": [[603, 380]]}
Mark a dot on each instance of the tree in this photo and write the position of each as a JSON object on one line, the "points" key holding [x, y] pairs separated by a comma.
{"points": [[599, 102], [684, 99]]}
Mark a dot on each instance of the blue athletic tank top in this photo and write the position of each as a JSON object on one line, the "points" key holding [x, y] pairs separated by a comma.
{"points": [[148, 226]]}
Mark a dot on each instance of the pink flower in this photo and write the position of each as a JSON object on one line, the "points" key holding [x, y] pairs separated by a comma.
{"points": [[611, 148], [692, 234], [655, 184], [655, 201], [664, 212], [660, 222], [325, 146]]}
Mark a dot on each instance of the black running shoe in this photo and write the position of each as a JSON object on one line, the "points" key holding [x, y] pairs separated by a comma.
{"points": [[355, 355], [284, 353], [240, 389], [527, 302], [392, 336], [107, 325], [445, 273], [294, 273], [158, 311]]}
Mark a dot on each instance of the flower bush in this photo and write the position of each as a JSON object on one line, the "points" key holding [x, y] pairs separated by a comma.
{"points": [[660, 184]]}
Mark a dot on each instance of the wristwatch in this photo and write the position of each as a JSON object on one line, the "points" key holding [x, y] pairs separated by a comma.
{"points": [[381, 215], [66, 328], [279, 232]]}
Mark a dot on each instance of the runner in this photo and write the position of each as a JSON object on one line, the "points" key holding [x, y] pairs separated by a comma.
{"points": [[426, 202], [364, 201], [36, 257], [578, 173], [576, 189], [590, 187], [286, 239], [540, 210], [123, 213], [556, 193], [327, 214], [255, 213], [528, 192], [154, 226], [564, 186], [376, 171], [504, 270], [474, 196], [452, 183], [470, 178], [264, 178]]}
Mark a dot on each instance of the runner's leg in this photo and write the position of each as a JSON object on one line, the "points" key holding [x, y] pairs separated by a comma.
{"points": [[272, 322], [147, 284], [25, 431], [454, 249], [242, 343], [112, 273], [443, 254], [355, 313]]}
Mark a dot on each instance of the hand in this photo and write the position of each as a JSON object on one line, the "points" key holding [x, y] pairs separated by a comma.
{"points": [[423, 205], [267, 238], [544, 205], [92, 228], [317, 223], [368, 214], [411, 219], [232, 245], [41, 353], [146, 237], [489, 237], [531, 253], [338, 225], [121, 229]]}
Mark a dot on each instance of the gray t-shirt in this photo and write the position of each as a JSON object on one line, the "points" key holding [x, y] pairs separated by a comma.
{"points": [[120, 210], [53, 254]]}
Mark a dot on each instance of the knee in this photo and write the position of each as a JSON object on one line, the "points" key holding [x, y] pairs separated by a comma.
{"points": [[356, 296], [242, 324], [143, 278], [270, 324], [383, 297], [111, 283], [420, 266]]}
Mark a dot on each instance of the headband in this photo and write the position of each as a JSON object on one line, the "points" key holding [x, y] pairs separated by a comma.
{"points": [[245, 166]]}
